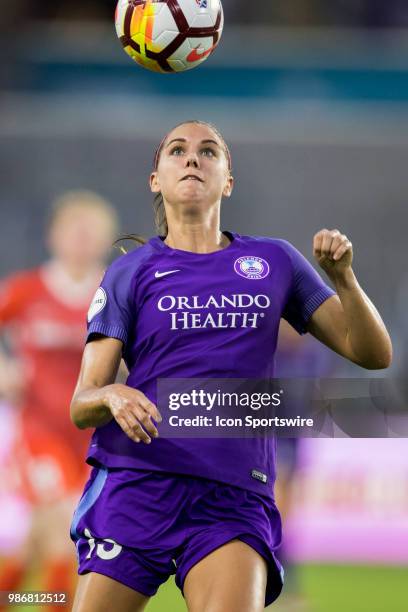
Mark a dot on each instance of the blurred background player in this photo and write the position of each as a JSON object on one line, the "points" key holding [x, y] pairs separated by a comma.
{"points": [[42, 317]]}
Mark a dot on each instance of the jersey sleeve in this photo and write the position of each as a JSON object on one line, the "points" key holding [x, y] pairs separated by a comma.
{"points": [[111, 311], [308, 291]]}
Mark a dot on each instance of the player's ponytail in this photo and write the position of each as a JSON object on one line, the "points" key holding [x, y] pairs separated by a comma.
{"points": [[160, 221], [160, 218]]}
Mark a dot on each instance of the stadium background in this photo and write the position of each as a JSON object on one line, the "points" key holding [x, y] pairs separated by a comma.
{"points": [[313, 99]]}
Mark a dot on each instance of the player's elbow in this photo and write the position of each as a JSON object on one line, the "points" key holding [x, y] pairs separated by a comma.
{"points": [[379, 361], [380, 364]]}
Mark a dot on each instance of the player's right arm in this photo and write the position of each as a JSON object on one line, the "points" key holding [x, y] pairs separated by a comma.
{"points": [[98, 399]]}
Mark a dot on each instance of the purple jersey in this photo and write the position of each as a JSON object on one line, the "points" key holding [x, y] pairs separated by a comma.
{"points": [[187, 315]]}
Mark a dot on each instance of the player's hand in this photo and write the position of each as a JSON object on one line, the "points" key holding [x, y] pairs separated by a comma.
{"points": [[133, 412], [333, 251]]}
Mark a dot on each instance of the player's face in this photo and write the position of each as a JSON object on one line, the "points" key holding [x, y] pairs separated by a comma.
{"points": [[193, 167], [81, 235]]}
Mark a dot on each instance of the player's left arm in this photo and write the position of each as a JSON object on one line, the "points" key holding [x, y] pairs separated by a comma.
{"points": [[348, 322]]}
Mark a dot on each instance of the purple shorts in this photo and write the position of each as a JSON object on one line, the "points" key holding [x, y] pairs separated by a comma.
{"points": [[140, 527]]}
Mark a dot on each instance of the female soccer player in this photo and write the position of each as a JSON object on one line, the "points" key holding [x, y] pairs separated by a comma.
{"points": [[196, 302], [41, 314]]}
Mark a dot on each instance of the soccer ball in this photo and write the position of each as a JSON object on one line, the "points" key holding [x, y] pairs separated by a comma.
{"points": [[169, 35]]}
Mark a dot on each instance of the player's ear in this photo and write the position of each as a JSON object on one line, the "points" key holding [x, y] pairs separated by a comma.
{"points": [[154, 183], [229, 186]]}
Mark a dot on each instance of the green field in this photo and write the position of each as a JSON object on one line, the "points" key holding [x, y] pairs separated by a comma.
{"points": [[327, 588]]}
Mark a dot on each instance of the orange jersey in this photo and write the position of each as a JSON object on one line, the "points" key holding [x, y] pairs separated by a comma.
{"points": [[47, 331]]}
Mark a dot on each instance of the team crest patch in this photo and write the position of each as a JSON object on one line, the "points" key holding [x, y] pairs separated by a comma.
{"points": [[98, 303], [253, 268], [202, 3]]}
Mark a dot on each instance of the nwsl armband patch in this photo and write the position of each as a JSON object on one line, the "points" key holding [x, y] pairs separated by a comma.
{"points": [[98, 303], [259, 476]]}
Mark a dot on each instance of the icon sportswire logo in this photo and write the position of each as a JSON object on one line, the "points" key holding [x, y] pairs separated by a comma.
{"points": [[160, 274]]}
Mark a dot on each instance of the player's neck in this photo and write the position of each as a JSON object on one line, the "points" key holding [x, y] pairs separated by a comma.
{"points": [[197, 240]]}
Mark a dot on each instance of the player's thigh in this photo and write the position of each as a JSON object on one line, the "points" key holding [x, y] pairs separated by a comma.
{"points": [[98, 593], [230, 579]]}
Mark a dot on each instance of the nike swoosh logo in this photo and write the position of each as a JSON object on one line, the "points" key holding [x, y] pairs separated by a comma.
{"points": [[193, 56], [160, 274]]}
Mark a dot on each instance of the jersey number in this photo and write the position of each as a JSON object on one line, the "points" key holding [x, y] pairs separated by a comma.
{"points": [[108, 550]]}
